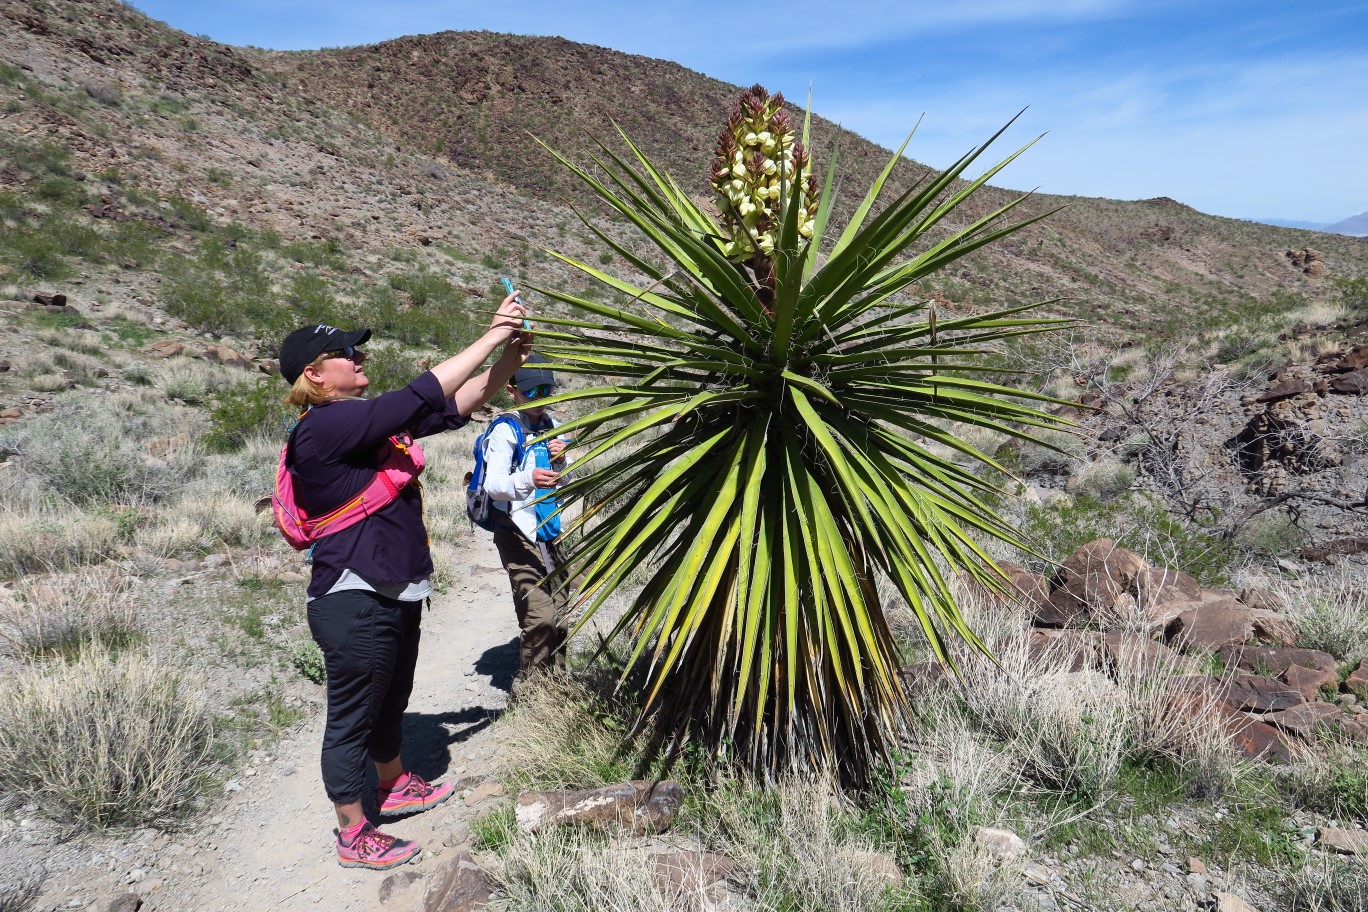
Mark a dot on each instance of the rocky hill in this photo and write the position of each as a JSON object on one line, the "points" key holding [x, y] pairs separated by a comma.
{"points": [[425, 140]]}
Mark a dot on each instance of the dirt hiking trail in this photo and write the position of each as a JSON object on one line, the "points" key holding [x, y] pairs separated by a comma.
{"points": [[269, 847]]}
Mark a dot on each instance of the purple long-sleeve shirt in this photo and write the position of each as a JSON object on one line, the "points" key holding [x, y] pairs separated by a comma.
{"points": [[334, 454]]}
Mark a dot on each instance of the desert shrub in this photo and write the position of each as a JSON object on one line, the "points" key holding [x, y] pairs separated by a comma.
{"points": [[61, 614], [443, 323], [106, 93], [91, 456], [1322, 883], [307, 659], [37, 540], [1138, 522], [34, 255], [389, 368], [1330, 613], [102, 742], [1330, 777], [246, 410], [571, 870], [1273, 534], [799, 846], [187, 387], [1104, 480]]}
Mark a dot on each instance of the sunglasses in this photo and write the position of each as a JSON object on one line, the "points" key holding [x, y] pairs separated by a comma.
{"points": [[350, 352], [540, 392]]}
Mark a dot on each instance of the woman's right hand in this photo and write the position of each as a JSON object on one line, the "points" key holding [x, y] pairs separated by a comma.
{"points": [[545, 478], [510, 315]]}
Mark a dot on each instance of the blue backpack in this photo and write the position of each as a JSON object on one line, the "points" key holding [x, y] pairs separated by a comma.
{"points": [[479, 505]]}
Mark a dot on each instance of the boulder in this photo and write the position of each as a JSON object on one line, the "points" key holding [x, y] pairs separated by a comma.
{"points": [[1102, 558], [1355, 384], [1050, 649], [1255, 740], [692, 879], [222, 354], [1274, 660], [1000, 845], [460, 885], [1210, 627], [1256, 693], [1303, 720], [1062, 609], [1357, 682], [1163, 594], [165, 348], [1132, 652], [1273, 627], [638, 807], [1310, 682], [1346, 842], [1029, 588]]}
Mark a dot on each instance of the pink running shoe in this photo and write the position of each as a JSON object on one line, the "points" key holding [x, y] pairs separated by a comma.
{"points": [[412, 794], [375, 850]]}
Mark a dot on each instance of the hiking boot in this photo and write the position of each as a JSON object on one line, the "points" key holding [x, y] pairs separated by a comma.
{"points": [[375, 850], [411, 796]]}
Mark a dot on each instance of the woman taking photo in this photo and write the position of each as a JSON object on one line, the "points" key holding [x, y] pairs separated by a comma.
{"points": [[371, 575]]}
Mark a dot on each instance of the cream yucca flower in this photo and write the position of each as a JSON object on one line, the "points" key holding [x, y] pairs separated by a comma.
{"points": [[758, 160]]}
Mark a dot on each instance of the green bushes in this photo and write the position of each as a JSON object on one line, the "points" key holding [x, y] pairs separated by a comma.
{"points": [[247, 410], [1138, 522]]}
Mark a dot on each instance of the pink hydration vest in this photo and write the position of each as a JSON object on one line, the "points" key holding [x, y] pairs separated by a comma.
{"points": [[401, 462]]}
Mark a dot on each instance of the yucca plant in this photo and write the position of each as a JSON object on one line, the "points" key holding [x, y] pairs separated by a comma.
{"points": [[778, 438]]}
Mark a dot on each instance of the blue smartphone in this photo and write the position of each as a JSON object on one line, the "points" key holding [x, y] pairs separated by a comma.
{"points": [[508, 289]]}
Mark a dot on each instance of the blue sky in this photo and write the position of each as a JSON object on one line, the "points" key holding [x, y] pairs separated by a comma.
{"points": [[1242, 108]]}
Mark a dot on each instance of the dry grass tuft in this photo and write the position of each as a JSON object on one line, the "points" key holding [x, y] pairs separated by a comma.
{"points": [[106, 742], [41, 539], [58, 615], [570, 870], [1330, 613], [562, 733], [801, 847]]}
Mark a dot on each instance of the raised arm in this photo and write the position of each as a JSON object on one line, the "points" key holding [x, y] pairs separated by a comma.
{"points": [[455, 373]]}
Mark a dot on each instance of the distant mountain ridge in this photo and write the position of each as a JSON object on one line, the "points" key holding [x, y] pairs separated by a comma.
{"points": [[1353, 226]]}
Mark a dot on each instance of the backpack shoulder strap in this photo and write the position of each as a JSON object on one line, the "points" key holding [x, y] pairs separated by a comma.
{"points": [[515, 425]]}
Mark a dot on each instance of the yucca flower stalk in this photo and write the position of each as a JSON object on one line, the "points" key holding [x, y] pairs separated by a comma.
{"points": [[758, 156], [770, 447]]}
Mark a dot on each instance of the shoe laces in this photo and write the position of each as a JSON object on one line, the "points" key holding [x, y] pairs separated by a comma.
{"points": [[416, 786], [372, 841]]}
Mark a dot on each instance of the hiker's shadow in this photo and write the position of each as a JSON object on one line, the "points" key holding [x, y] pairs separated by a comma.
{"points": [[428, 736], [501, 664]]}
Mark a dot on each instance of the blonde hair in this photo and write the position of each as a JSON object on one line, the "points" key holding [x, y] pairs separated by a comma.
{"points": [[305, 392]]}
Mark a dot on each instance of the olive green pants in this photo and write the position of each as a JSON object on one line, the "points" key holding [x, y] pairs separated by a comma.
{"points": [[540, 596]]}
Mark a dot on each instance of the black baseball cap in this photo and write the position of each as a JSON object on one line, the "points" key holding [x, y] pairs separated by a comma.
{"points": [[529, 376], [303, 345]]}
